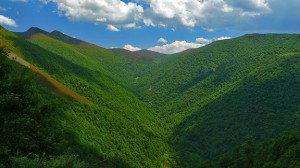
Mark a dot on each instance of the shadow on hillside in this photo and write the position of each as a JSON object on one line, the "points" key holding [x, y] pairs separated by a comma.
{"points": [[263, 108], [55, 64]]}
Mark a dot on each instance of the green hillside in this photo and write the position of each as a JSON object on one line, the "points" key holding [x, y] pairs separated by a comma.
{"points": [[214, 96], [189, 109], [117, 126]]}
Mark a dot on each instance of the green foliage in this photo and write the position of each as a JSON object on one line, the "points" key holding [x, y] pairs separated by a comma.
{"points": [[183, 110], [283, 151], [64, 161], [25, 118], [216, 95]]}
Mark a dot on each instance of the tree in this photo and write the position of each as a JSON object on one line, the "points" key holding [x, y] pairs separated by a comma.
{"points": [[249, 152]]}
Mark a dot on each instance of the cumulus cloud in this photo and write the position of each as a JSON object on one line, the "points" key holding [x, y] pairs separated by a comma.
{"points": [[208, 14], [109, 12], [112, 28], [179, 46], [175, 47], [223, 38], [131, 48], [162, 40], [202, 40], [7, 21]]}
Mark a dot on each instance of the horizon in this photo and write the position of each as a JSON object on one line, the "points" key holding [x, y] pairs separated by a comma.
{"points": [[166, 27]]}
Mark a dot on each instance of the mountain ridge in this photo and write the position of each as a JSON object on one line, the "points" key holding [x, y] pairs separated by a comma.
{"points": [[74, 41]]}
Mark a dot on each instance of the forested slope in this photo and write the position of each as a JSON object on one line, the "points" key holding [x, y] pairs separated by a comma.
{"points": [[216, 95], [117, 125], [185, 110]]}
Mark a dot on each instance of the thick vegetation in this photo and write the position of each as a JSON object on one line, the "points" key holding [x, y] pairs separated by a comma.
{"points": [[28, 133], [283, 151], [190, 109]]}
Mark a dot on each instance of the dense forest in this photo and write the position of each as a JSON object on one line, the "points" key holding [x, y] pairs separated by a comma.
{"points": [[233, 103]]}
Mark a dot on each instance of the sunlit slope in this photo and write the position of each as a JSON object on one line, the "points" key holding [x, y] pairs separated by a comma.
{"points": [[119, 127], [45, 79], [122, 66]]}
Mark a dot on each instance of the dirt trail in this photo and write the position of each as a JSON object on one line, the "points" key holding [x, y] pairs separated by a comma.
{"points": [[19, 60], [48, 81]]}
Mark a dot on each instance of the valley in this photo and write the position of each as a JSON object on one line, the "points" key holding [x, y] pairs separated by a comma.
{"points": [[202, 107]]}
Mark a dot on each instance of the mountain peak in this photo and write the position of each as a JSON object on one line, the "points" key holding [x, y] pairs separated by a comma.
{"points": [[31, 32], [56, 32], [35, 30], [65, 38]]}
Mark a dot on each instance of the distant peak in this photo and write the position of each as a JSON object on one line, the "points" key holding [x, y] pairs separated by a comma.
{"points": [[65, 38], [31, 32], [149, 53], [36, 30], [56, 32]]}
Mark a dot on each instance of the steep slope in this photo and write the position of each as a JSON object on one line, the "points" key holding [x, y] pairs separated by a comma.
{"points": [[45, 79], [126, 66], [118, 127], [216, 95]]}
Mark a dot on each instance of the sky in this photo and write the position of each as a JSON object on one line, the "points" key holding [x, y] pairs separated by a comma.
{"points": [[166, 26]]}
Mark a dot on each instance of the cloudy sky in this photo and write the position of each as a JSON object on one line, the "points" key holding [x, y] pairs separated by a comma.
{"points": [[166, 26]]}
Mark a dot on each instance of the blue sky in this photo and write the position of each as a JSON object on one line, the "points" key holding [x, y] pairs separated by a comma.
{"points": [[167, 26]]}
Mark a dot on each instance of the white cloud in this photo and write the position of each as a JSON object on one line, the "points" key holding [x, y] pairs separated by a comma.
{"points": [[208, 14], [7, 21], [179, 46], [202, 40], [132, 26], [109, 12], [112, 28], [223, 38], [162, 40], [175, 47], [131, 48]]}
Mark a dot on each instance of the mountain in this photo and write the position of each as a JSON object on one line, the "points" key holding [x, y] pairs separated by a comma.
{"points": [[183, 110], [128, 53], [148, 53], [116, 127], [54, 34], [142, 55]]}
